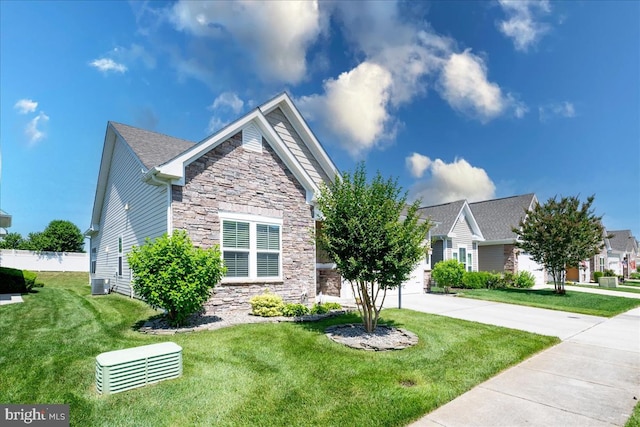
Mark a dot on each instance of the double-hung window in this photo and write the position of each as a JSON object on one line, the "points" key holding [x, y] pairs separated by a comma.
{"points": [[251, 247]]}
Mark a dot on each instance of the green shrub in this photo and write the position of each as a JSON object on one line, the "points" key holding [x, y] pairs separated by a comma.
{"points": [[478, 279], [319, 309], [524, 280], [172, 274], [635, 276], [267, 305], [597, 275], [332, 306], [13, 280], [294, 310], [609, 273], [448, 273]]}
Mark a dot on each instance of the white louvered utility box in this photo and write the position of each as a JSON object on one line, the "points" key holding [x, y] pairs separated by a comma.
{"points": [[123, 370]]}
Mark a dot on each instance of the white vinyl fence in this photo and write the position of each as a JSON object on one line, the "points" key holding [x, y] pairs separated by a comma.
{"points": [[44, 261]]}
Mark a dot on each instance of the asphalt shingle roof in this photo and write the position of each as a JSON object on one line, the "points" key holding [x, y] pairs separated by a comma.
{"points": [[153, 149], [445, 215], [496, 217], [622, 240]]}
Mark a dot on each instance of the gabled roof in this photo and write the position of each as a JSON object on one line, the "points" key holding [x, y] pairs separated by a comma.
{"points": [[446, 215], [151, 148], [165, 158], [622, 241], [496, 217], [174, 169]]}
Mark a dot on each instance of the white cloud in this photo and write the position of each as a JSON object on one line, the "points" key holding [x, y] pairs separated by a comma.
{"points": [[25, 106], [224, 105], [277, 34], [522, 24], [33, 131], [354, 107], [453, 181], [107, 64], [417, 164], [563, 109], [215, 124], [228, 100], [464, 85]]}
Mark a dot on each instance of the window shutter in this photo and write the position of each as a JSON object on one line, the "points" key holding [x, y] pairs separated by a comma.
{"points": [[235, 234], [268, 237], [252, 138], [268, 265], [237, 263]]}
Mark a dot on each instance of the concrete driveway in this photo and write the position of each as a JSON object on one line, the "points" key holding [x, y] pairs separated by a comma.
{"points": [[592, 378]]}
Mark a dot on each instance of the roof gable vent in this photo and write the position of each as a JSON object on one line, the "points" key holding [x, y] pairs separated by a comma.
{"points": [[252, 138]]}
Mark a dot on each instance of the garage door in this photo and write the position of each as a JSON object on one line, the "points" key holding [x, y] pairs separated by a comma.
{"points": [[415, 284], [525, 263]]}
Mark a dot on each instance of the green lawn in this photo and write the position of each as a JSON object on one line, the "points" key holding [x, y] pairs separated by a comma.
{"points": [[258, 374], [634, 420], [632, 290], [576, 301], [631, 282]]}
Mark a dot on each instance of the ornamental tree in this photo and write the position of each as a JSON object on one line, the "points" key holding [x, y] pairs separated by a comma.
{"points": [[560, 234], [372, 236], [172, 274]]}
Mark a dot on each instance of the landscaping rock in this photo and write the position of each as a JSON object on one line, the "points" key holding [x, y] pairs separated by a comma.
{"points": [[383, 338]]}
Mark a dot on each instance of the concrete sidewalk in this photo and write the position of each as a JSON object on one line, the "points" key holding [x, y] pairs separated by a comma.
{"points": [[10, 299], [592, 378]]}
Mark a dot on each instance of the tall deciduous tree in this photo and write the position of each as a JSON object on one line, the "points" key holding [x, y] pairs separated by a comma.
{"points": [[62, 236], [371, 234], [11, 241], [560, 234]]}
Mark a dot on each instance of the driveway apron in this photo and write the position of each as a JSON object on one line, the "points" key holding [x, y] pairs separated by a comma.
{"points": [[592, 378]]}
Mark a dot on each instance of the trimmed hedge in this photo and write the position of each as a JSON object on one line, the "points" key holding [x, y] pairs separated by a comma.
{"points": [[13, 280]]}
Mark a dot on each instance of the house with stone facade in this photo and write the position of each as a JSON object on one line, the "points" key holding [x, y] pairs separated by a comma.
{"points": [[498, 252], [250, 188]]}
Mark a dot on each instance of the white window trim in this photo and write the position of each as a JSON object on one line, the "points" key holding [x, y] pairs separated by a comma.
{"points": [[467, 252], [253, 220]]}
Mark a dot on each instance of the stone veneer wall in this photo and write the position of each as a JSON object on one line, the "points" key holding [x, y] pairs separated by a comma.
{"points": [[233, 179], [328, 281], [510, 258]]}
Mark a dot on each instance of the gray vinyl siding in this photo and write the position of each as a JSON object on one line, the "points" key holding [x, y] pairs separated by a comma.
{"points": [[491, 258], [146, 216], [297, 146], [464, 237]]}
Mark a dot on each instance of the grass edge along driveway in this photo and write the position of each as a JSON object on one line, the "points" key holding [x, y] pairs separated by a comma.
{"points": [[573, 301], [253, 374]]}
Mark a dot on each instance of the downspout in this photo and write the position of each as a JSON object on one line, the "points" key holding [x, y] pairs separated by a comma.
{"points": [[157, 181]]}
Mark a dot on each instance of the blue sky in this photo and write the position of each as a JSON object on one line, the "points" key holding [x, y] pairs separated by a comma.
{"points": [[457, 99]]}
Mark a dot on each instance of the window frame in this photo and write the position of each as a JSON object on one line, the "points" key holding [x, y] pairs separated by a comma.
{"points": [[120, 253], [254, 221]]}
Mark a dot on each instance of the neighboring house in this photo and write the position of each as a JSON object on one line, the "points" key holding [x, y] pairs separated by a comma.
{"points": [[498, 251], [623, 253], [455, 233], [250, 188], [600, 261], [5, 222]]}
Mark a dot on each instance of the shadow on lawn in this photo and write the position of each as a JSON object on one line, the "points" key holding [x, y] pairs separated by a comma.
{"points": [[541, 292], [319, 326]]}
